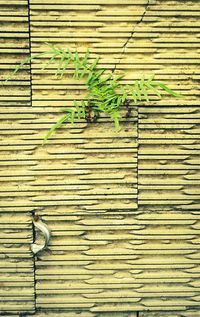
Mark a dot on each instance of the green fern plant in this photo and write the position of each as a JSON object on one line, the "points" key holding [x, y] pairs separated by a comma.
{"points": [[105, 94]]}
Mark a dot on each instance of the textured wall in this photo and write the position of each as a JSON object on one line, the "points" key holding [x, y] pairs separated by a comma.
{"points": [[16, 261], [122, 207]]}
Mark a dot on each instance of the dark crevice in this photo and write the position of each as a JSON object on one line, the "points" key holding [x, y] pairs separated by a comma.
{"points": [[32, 213], [31, 98], [123, 49]]}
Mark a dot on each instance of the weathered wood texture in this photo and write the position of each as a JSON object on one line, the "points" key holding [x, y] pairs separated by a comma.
{"points": [[86, 178], [16, 261], [122, 207]]}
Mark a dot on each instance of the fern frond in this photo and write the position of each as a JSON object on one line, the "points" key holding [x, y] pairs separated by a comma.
{"points": [[77, 65], [105, 93], [60, 65], [141, 88], [166, 88], [115, 117], [25, 61], [57, 125], [94, 64], [51, 60], [84, 63], [64, 66]]}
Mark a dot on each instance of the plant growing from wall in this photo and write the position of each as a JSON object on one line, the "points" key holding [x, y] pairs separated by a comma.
{"points": [[104, 94]]}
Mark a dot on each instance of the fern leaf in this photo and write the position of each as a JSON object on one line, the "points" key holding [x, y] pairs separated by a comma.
{"points": [[84, 63], [54, 49], [134, 96], [143, 89], [83, 105], [85, 58], [98, 74], [115, 117], [77, 65], [57, 125], [153, 89], [166, 88], [77, 110], [119, 100], [51, 60], [89, 78], [72, 116], [94, 64], [105, 79], [124, 95], [60, 66], [64, 67]]}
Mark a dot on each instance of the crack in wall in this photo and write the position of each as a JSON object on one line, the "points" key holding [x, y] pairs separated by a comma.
{"points": [[32, 215], [146, 8]]}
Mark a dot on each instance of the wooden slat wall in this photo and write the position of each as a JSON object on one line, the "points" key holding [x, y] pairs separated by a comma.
{"points": [[16, 264], [168, 163], [87, 178], [188, 313], [122, 207], [106, 256], [16, 261]]}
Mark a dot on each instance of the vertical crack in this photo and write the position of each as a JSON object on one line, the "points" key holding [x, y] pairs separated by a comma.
{"points": [[146, 8], [31, 101], [34, 258], [123, 50]]}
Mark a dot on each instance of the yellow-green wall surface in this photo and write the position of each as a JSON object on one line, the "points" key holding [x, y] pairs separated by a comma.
{"points": [[122, 207]]}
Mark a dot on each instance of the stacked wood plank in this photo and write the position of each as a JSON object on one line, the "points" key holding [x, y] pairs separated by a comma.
{"points": [[16, 260], [122, 206]]}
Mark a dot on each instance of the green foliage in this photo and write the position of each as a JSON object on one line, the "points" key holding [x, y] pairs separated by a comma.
{"points": [[105, 94], [77, 112]]}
